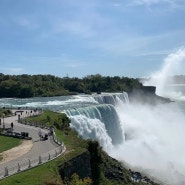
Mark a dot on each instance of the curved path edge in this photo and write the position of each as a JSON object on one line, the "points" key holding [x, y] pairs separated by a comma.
{"points": [[25, 162]]}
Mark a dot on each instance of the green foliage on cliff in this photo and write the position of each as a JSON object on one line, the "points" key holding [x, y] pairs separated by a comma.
{"points": [[24, 86], [75, 180]]}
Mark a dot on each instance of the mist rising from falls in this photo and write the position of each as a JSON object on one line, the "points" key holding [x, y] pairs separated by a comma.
{"points": [[172, 65], [154, 141], [154, 135]]}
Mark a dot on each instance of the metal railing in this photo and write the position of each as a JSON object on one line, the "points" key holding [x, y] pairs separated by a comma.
{"points": [[28, 163]]}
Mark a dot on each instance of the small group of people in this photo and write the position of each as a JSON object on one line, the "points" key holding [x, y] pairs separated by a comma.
{"points": [[41, 136]]}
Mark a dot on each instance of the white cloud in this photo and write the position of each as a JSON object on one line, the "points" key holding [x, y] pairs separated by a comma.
{"points": [[26, 22], [83, 20], [126, 44], [73, 27], [116, 4], [154, 53], [16, 69], [12, 70], [150, 2], [167, 4], [58, 61], [75, 64]]}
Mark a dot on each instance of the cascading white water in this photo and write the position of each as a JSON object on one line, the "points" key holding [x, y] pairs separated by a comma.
{"points": [[112, 98], [99, 122], [91, 129]]}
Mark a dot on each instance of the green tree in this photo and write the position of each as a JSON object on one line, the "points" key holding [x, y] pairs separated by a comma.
{"points": [[23, 86], [75, 180]]}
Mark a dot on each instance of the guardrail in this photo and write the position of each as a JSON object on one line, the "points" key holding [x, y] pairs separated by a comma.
{"points": [[29, 163], [9, 106]]}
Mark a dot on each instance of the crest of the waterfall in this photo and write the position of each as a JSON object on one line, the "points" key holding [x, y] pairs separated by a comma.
{"points": [[100, 122], [126, 98], [172, 65], [112, 98]]}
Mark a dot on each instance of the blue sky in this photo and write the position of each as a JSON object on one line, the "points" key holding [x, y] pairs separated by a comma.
{"points": [[82, 37]]}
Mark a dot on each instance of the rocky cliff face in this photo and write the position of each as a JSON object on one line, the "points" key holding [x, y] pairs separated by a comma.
{"points": [[111, 169], [146, 94], [79, 165]]}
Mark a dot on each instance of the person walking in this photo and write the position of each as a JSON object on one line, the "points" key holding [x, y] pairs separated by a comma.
{"points": [[40, 134], [12, 125]]}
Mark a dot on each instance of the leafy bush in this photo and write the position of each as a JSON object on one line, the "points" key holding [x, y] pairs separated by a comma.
{"points": [[75, 180]]}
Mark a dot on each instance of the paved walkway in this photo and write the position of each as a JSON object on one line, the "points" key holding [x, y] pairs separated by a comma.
{"points": [[39, 147]]}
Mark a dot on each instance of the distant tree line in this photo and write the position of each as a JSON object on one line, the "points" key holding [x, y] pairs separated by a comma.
{"points": [[24, 86]]}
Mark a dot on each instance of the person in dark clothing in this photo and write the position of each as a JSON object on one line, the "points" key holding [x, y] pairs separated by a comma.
{"points": [[12, 125]]}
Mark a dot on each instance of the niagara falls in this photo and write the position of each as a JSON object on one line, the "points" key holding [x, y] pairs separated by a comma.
{"points": [[143, 136], [94, 91]]}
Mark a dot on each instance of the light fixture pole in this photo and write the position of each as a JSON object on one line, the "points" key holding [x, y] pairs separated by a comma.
{"points": [[3, 121]]}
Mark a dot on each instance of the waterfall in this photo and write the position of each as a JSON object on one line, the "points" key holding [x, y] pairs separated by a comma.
{"points": [[113, 99], [98, 122]]}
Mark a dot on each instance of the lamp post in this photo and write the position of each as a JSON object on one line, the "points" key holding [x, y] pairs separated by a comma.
{"points": [[3, 121]]}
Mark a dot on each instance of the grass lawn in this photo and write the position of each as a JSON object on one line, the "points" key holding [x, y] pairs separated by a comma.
{"points": [[7, 143]]}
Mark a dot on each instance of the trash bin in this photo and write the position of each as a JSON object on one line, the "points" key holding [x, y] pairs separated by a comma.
{"points": [[46, 137], [23, 134]]}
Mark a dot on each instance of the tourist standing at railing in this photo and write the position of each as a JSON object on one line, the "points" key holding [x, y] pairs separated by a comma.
{"points": [[40, 134]]}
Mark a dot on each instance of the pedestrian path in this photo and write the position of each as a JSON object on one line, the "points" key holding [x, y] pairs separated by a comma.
{"points": [[42, 150]]}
